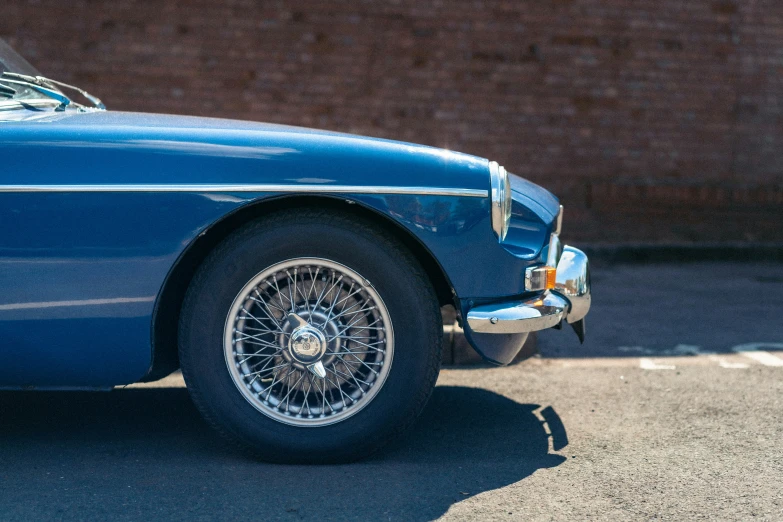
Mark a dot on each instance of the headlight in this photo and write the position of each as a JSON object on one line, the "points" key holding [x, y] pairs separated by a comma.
{"points": [[501, 199]]}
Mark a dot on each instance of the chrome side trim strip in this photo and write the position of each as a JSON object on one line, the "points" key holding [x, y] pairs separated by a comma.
{"points": [[80, 302], [225, 187]]}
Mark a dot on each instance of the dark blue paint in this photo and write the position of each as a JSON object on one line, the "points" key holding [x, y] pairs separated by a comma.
{"points": [[80, 272]]}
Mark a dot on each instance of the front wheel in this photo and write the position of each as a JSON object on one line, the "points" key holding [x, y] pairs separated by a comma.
{"points": [[310, 337]]}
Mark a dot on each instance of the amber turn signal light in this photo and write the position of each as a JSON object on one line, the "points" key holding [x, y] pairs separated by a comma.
{"points": [[540, 278], [551, 275]]}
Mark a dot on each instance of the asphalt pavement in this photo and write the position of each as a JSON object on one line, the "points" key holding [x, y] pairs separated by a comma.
{"points": [[671, 410]]}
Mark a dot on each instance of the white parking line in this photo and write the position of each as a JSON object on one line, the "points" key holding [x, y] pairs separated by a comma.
{"points": [[649, 364], [751, 351], [739, 357], [727, 361], [723, 363], [765, 358]]}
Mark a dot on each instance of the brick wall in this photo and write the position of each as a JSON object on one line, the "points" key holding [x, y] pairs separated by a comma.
{"points": [[653, 120]]}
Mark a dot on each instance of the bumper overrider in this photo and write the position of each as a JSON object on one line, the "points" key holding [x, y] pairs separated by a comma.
{"points": [[567, 299]]}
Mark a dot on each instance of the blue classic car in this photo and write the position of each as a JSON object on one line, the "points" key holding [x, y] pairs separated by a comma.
{"points": [[294, 275]]}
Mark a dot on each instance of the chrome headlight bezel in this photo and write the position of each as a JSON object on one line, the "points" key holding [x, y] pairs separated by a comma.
{"points": [[500, 195]]}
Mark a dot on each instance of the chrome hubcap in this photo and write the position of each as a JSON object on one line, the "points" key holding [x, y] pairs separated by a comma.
{"points": [[307, 345], [308, 342]]}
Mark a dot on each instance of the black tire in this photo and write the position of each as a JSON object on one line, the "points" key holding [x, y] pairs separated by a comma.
{"points": [[351, 241]]}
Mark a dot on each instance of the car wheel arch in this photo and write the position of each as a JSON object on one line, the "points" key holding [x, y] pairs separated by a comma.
{"points": [[165, 317]]}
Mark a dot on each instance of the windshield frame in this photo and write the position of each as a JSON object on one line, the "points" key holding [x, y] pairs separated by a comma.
{"points": [[12, 61], [23, 85]]}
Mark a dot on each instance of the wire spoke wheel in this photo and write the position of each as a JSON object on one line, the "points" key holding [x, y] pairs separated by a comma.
{"points": [[286, 340], [308, 342]]}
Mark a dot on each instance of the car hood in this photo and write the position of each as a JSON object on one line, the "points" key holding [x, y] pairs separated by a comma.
{"points": [[291, 153], [174, 122], [535, 197]]}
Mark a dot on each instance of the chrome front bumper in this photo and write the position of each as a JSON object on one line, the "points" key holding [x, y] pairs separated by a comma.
{"points": [[569, 300]]}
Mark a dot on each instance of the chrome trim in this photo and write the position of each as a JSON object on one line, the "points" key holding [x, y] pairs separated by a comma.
{"points": [[225, 187], [500, 189], [55, 95], [573, 282], [530, 315], [37, 82], [570, 300], [559, 221], [30, 102], [535, 278], [555, 250]]}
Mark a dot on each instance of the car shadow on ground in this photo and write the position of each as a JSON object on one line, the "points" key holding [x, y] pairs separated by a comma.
{"points": [[135, 453]]}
